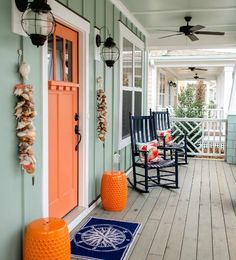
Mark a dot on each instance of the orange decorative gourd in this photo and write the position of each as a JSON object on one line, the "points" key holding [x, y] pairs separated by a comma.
{"points": [[114, 190], [47, 239]]}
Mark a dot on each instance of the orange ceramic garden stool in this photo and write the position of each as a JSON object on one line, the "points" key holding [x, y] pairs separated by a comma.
{"points": [[114, 190], [47, 239]]}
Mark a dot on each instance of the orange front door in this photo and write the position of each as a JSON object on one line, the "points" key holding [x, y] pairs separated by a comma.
{"points": [[63, 90]]}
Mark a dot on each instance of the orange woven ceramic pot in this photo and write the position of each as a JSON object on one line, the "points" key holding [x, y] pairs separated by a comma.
{"points": [[47, 239], [114, 190]]}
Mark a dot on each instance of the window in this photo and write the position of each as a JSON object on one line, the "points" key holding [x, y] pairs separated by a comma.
{"points": [[131, 89]]}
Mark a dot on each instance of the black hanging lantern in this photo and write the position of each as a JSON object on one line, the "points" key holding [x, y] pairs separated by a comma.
{"points": [[172, 84], [110, 52], [37, 20]]}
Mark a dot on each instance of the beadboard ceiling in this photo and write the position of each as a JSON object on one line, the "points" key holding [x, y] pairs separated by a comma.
{"points": [[156, 15]]}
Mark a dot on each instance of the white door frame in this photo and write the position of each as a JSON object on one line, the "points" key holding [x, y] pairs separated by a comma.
{"points": [[74, 21]]}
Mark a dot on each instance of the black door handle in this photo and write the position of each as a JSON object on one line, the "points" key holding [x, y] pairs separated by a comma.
{"points": [[79, 140], [76, 117], [76, 129]]}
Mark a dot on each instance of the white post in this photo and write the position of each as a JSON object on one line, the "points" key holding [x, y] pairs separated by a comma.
{"points": [[228, 76], [232, 101], [220, 90], [152, 89]]}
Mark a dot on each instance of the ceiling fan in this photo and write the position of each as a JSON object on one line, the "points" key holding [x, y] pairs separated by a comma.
{"points": [[195, 68], [197, 77], [190, 30]]}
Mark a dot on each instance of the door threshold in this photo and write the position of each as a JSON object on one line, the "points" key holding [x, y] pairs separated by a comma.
{"points": [[73, 214], [78, 214]]}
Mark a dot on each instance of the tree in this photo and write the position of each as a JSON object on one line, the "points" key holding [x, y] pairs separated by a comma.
{"points": [[191, 104], [191, 101]]}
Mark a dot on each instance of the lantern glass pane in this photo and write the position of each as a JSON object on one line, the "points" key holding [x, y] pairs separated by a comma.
{"points": [[37, 23], [110, 53]]}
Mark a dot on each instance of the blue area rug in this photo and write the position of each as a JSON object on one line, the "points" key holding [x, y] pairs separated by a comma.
{"points": [[103, 239]]}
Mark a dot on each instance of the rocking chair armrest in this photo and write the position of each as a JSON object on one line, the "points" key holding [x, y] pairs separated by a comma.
{"points": [[145, 153]]}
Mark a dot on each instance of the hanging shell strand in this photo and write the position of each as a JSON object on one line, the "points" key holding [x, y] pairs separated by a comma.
{"points": [[101, 115], [25, 130]]}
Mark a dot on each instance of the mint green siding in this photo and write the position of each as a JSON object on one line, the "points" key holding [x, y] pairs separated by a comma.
{"points": [[231, 140], [20, 201]]}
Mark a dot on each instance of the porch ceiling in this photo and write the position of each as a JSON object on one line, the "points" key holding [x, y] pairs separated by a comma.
{"points": [[156, 15], [182, 73]]}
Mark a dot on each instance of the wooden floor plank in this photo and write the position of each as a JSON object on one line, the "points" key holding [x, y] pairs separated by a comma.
{"points": [[189, 246], [228, 210], [145, 237], [220, 247], [174, 243], [136, 207], [161, 237], [204, 250], [145, 240], [230, 177]]}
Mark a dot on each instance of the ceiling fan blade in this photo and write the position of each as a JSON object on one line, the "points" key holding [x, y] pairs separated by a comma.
{"points": [[170, 35], [210, 33], [196, 68], [165, 30], [196, 28], [200, 69], [192, 37]]}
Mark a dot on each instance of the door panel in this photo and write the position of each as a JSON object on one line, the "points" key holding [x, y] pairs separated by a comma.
{"points": [[62, 106]]}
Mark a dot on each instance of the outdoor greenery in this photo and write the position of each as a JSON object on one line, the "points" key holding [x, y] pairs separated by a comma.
{"points": [[191, 101], [191, 104]]}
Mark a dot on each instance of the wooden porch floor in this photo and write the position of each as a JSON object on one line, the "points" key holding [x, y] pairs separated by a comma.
{"points": [[195, 222]]}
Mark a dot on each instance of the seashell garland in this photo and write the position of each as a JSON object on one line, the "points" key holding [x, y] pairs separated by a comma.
{"points": [[25, 130], [101, 115]]}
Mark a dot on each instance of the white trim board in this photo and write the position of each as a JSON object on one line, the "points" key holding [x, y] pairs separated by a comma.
{"points": [[130, 36]]}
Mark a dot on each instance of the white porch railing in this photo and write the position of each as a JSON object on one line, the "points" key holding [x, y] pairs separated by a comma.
{"points": [[205, 136], [216, 113]]}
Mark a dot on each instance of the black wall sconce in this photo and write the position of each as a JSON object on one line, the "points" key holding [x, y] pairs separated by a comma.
{"points": [[172, 84], [110, 53], [37, 20]]}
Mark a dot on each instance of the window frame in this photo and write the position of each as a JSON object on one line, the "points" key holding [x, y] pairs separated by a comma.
{"points": [[136, 42]]}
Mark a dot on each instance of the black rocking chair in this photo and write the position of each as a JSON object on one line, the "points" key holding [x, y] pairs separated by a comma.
{"points": [[162, 123], [142, 131]]}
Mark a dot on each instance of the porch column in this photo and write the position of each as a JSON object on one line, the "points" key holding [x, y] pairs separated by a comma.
{"points": [[152, 86], [228, 81], [220, 90], [231, 129]]}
